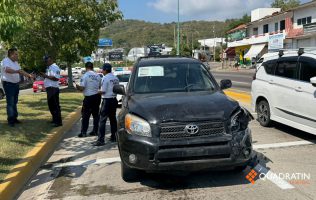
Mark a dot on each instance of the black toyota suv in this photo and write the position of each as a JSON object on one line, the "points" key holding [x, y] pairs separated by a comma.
{"points": [[176, 117]]}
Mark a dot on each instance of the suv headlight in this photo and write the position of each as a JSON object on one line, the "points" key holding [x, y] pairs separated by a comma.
{"points": [[136, 125], [240, 120]]}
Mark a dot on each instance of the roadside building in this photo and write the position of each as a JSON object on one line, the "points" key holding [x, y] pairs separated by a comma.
{"points": [[271, 30]]}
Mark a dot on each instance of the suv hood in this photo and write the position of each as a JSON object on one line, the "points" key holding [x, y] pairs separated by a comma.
{"points": [[191, 106]]}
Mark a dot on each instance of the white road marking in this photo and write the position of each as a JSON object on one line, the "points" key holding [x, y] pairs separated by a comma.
{"points": [[117, 159], [264, 174], [283, 144], [281, 183]]}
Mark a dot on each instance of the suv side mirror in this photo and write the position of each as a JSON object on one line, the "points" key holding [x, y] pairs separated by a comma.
{"points": [[225, 84], [119, 89], [313, 81]]}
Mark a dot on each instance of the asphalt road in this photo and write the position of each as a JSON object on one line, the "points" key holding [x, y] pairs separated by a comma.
{"points": [[76, 170], [241, 80]]}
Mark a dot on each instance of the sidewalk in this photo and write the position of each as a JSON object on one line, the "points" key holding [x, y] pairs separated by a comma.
{"points": [[70, 165], [217, 67]]}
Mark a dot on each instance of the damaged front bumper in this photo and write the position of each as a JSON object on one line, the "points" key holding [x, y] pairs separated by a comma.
{"points": [[190, 154]]}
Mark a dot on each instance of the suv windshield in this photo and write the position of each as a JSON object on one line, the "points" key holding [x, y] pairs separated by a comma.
{"points": [[172, 77]]}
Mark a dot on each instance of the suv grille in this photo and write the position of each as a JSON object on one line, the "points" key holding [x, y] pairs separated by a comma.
{"points": [[176, 130]]}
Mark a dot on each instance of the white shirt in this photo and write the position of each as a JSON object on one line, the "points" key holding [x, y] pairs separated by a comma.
{"points": [[108, 81], [91, 83], [12, 78], [52, 70]]}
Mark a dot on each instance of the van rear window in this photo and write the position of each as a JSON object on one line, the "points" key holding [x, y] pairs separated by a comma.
{"points": [[269, 67]]}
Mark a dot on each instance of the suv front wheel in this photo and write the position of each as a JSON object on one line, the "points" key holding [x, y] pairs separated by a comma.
{"points": [[263, 111], [128, 174]]}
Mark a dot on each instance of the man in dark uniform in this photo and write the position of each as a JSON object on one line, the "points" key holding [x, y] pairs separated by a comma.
{"points": [[108, 106], [90, 84]]}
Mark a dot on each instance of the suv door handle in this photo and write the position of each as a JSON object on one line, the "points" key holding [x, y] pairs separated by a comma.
{"points": [[271, 82], [298, 89]]}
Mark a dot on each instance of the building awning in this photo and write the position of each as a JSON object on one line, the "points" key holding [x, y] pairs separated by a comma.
{"points": [[254, 50]]}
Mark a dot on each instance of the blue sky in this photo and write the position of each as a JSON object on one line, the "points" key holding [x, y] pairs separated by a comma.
{"points": [[165, 11]]}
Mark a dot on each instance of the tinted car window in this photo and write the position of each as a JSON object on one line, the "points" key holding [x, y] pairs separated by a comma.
{"points": [[308, 71], [172, 77], [269, 67], [287, 69], [123, 77]]}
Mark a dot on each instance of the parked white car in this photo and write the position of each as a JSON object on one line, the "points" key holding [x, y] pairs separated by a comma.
{"points": [[123, 77], [284, 90]]}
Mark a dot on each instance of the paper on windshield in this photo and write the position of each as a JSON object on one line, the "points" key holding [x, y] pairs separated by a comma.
{"points": [[151, 71]]}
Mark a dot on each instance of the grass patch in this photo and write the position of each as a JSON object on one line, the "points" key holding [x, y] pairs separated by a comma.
{"points": [[35, 116]]}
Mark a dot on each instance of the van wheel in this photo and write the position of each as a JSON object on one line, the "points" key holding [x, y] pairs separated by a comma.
{"points": [[1, 94], [128, 174], [263, 111]]}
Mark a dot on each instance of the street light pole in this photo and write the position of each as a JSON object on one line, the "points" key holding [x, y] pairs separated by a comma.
{"points": [[178, 44]]}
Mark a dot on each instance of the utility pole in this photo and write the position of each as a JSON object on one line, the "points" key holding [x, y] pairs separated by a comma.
{"points": [[214, 49], [178, 44]]}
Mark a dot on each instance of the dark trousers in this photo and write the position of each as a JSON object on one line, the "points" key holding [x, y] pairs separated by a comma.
{"points": [[53, 104], [12, 96], [90, 105], [108, 110]]}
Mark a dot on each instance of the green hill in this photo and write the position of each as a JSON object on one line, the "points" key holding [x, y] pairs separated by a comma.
{"points": [[135, 33]]}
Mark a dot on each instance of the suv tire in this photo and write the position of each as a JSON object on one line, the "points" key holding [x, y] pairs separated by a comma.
{"points": [[128, 174], [264, 114], [241, 168]]}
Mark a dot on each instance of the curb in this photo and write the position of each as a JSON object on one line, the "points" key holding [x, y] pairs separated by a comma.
{"points": [[242, 97], [21, 173]]}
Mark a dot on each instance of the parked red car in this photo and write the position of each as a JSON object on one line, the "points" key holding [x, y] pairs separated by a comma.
{"points": [[38, 85], [63, 80]]}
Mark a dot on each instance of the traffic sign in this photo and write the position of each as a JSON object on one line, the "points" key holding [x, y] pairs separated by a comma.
{"points": [[105, 42]]}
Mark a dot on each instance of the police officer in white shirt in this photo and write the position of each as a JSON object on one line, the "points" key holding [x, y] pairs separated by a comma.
{"points": [[10, 76], [90, 85], [51, 83], [108, 106]]}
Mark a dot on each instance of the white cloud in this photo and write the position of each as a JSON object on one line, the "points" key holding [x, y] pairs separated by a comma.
{"points": [[209, 9]]}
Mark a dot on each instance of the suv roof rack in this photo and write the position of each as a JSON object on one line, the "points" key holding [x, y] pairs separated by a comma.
{"points": [[300, 51]]}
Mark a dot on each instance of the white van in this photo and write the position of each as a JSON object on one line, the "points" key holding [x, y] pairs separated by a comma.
{"points": [[284, 90]]}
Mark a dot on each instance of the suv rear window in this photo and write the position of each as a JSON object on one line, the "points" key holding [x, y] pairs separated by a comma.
{"points": [[172, 77], [287, 69]]}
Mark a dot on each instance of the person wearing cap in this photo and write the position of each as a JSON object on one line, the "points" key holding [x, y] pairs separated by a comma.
{"points": [[108, 106], [11, 73], [90, 84], [51, 83]]}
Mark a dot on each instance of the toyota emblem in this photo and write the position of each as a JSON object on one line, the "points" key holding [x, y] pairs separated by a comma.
{"points": [[191, 129]]}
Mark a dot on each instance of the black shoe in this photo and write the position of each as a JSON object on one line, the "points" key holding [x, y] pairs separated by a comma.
{"points": [[57, 125], [17, 121], [98, 144], [82, 135], [11, 124], [92, 133], [113, 139]]}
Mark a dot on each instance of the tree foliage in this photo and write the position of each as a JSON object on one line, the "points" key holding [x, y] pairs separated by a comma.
{"points": [[10, 20], [285, 4], [233, 23], [65, 29]]}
